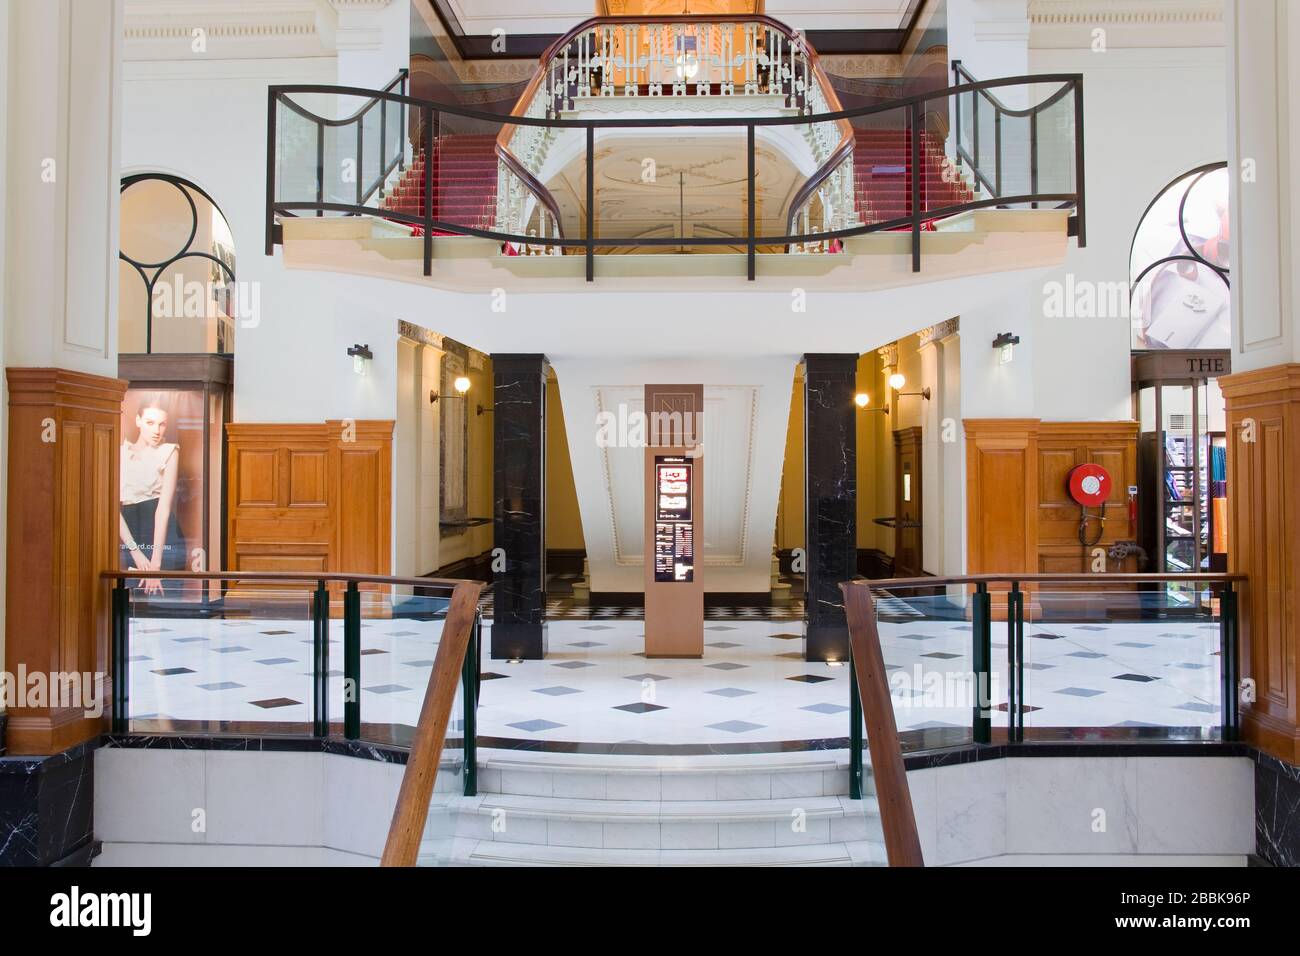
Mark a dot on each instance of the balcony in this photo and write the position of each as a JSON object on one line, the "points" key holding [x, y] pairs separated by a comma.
{"points": [[642, 138]]}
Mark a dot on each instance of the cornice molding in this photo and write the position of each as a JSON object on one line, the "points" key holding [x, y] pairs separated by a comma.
{"points": [[1127, 12], [232, 29], [888, 355], [938, 332]]}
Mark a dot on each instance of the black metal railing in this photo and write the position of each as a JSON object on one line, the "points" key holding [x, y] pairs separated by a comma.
{"points": [[988, 132], [590, 231], [378, 141], [1102, 622], [159, 622]]}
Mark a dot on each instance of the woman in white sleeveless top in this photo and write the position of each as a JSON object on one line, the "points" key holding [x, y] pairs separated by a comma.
{"points": [[151, 538]]}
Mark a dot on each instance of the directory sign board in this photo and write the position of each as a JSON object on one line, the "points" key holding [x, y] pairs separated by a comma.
{"points": [[674, 529]]}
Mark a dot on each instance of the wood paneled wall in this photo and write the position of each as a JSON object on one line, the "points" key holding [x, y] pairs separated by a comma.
{"points": [[64, 441], [1001, 495], [310, 497], [1062, 446], [1019, 516], [1264, 543]]}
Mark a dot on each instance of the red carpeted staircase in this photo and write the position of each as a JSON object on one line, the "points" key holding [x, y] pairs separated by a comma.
{"points": [[881, 159], [464, 183]]}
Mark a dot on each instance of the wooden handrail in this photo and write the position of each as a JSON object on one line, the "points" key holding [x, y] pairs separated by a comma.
{"points": [[292, 577], [405, 832], [897, 818]]}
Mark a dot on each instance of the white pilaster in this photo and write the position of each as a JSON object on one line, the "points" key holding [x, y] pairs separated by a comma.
{"points": [[62, 122], [1263, 38]]}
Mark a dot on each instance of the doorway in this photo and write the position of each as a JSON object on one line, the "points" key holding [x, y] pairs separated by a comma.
{"points": [[907, 503]]}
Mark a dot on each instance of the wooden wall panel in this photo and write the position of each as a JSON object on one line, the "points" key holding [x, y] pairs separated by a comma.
{"points": [[1062, 446], [64, 443], [1019, 516], [310, 497], [1264, 543], [308, 479], [1001, 495]]}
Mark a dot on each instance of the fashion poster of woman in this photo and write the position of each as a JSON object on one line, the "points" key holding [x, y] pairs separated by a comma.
{"points": [[161, 485]]}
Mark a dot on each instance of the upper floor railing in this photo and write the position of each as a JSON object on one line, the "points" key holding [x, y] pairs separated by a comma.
{"points": [[674, 57], [898, 175], [1013, 151]]}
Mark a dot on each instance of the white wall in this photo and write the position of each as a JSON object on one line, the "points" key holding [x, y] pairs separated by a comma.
{"points": [[259, 808], [1047, 811], [1150, 115]]}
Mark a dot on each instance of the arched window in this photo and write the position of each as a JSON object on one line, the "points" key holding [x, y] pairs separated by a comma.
{"points": [[176, 275], [1178, 266]]}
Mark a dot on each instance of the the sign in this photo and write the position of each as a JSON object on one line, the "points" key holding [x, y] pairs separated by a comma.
{"points": [[674, 534]]}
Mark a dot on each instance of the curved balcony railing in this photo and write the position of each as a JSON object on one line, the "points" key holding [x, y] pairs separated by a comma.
{"points": [[1010, 151], [677, 56], [901, 178]]}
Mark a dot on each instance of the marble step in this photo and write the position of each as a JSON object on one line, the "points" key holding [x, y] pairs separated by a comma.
{"points": [[484, 853], [648, 824], [702, 777]]}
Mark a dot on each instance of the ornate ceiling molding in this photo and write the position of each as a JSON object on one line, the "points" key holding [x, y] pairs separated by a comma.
{"points": [[888, 355], [937, 332], [1103, 12], [154, 29], [1133, 24]]}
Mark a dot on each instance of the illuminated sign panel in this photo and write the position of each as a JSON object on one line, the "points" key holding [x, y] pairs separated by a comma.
{"points": [[674, 530]]}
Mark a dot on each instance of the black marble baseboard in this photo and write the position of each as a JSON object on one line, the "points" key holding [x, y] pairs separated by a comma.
{"points": [[1277, 810], [47, 808]]}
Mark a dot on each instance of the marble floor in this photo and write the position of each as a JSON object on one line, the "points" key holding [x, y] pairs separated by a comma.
{"points": [[751, 687]]}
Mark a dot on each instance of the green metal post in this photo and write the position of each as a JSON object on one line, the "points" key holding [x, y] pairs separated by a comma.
{"points": [[352, 662]]}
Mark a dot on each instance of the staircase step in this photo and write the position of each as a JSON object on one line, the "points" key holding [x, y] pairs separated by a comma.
{"points": [[668, 779], [508, 854]]}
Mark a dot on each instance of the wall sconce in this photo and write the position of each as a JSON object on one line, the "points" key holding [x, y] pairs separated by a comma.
{"points": [[461, 384], [896, 382], [1005, 344], [480, 410], [361, 358], [862, 400]]}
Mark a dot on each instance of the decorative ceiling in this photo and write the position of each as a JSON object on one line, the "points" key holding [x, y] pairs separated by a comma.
{"points": [[666, 185]]}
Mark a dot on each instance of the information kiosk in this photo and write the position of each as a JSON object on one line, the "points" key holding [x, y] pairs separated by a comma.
{"points": [[674, 468]]}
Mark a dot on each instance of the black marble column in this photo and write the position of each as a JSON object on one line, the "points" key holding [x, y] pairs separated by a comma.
{"points": [[830, 499], [1277, 810], [47, 808], [519, 490]]}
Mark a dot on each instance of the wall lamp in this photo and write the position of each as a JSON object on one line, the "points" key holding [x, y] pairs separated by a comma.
{"points": [[896, 382], [1005, 344], [461, 384], [862, 400], [361, 358]]}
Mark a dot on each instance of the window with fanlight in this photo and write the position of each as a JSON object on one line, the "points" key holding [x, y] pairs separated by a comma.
{"points": [[176, 271], [1179, 265]]}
